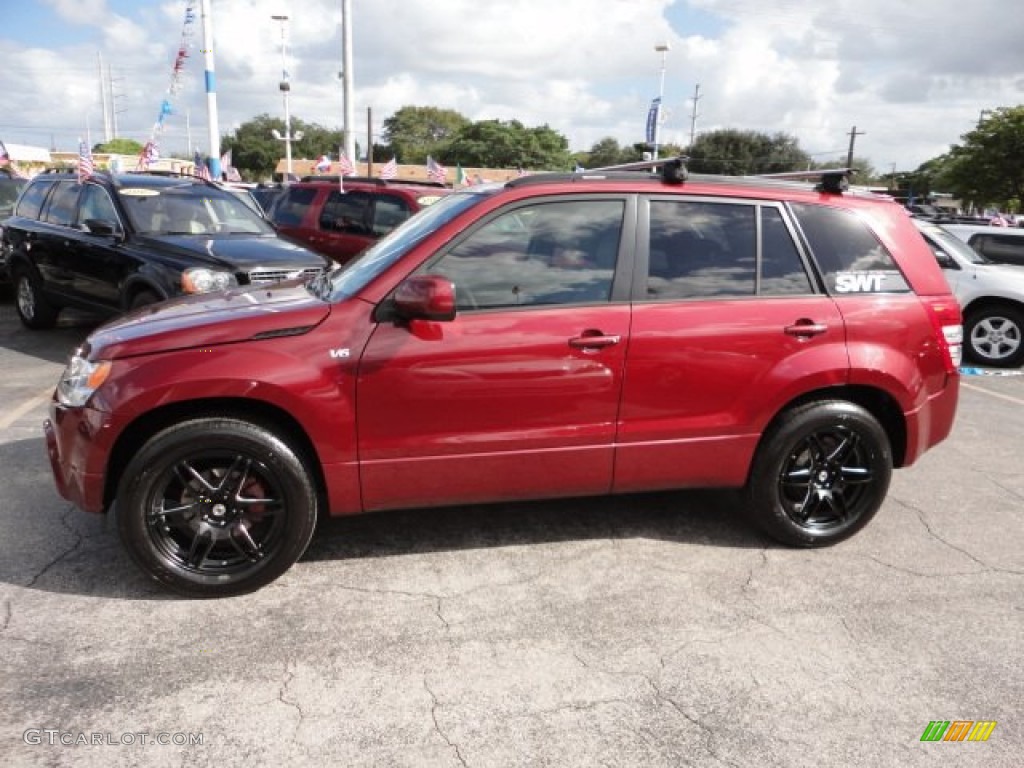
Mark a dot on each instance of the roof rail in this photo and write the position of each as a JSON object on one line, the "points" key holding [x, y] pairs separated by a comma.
{"points": [[832, 180], [334, 178]]}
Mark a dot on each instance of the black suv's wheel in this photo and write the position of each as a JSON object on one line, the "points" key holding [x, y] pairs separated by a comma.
{"points": [[820, 474], [995, 336], [216, 507], [35, 311]]}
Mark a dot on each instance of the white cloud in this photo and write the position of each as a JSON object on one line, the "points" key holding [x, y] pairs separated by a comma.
{"points": [[911, 77]]}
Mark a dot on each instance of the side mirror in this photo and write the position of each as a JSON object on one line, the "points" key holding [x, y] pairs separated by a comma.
{"points": [[425, 297], [101, 227], [945, 260]]}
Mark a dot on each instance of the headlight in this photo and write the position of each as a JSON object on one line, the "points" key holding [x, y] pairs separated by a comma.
{"points": [[80, 379], [202, 280]]}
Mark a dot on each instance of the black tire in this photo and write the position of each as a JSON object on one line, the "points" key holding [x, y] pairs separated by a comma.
{"points": [[144, 299], [34, 309], [820, 474], [215, 507], [994, 336]]}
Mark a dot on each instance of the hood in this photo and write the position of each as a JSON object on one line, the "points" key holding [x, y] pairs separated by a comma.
{"points": [[239, 252], [210, 319]]}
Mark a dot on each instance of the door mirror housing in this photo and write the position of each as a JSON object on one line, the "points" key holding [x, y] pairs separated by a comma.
{"points": [[425, 297]]}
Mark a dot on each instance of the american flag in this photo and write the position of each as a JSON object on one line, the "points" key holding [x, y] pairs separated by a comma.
{"points": [[85, 164], [389, 170], [149, 155], [344, 164], [201, 169], [436, 171]]}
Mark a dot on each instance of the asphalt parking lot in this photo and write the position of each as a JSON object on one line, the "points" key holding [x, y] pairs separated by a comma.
{"points": [[654, 630]]}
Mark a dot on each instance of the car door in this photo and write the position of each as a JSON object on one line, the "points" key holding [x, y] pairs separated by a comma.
{"points": [[727, 318], [518, 396], [101, 263], [56, 249]]}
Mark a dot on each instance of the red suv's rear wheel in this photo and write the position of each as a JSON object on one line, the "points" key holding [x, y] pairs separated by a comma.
{"points": [[820, 474]]}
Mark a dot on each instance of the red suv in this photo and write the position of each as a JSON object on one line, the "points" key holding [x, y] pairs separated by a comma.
{"points": [[341, 223], [558, 335]]}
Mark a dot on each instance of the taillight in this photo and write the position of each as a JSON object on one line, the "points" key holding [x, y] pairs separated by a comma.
{"points": [[949, 331]]}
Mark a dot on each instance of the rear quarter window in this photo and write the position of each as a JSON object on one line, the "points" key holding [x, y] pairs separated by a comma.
{"points": [[851, 258]]}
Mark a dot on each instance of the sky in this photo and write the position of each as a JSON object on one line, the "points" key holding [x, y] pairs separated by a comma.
{"points": [[910, 77]]}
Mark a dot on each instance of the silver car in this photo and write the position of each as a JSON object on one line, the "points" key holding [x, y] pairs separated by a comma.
{"points": [[991, 297]]}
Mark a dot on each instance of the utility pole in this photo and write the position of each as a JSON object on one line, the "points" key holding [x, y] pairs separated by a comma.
{"points": [[104, 104], [369, 141], [346, 80], [693, 115], [854, 133]]}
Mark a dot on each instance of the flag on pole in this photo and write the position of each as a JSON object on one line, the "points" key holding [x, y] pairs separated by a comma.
{"points": [[653, 119], [149, 155], [345, 166], [389, 170], [85, 164], [201, 169], [231, 173], [436, 171]]}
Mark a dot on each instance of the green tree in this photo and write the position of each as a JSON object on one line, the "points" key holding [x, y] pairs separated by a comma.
{"points": [[255, 152], [988, 167], [412, 133], [740, 153], [120, 147], [500, 144]]}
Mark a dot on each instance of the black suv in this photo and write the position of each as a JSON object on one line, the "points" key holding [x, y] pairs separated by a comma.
{"points": [[119, 241], [10, 187]]}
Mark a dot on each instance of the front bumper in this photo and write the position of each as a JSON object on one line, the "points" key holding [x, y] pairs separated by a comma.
{"points": [[78, 446]]}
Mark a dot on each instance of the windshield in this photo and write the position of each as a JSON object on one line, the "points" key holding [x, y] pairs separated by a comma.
{"points": [[953, 245], [190, 210], [389, 249]]}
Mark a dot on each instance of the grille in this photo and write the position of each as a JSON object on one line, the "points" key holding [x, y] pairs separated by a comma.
{"points": [[276, 275]]}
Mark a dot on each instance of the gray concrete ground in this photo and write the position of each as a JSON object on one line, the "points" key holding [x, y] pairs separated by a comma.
{"points": [[640, 631]]}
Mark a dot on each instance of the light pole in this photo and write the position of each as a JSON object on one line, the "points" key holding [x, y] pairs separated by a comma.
{"points": [[663, 49], [286, 87]]}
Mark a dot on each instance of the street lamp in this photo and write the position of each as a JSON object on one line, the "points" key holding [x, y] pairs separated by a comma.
{"points": [[286, 88], [663, 49]]}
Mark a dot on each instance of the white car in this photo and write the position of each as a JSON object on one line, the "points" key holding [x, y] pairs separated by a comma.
{"points": [[991, 297], [1004, 245]]}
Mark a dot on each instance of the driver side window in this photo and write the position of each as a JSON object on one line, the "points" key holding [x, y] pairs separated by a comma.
{"points": [[539, 254]]}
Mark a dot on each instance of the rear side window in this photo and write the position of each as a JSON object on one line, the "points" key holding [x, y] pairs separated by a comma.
{"points": [[347, 212], [851, 258], [291, 208], [389, 212], [1004, 248], [701, 250], [32, 201], [63, 203]]}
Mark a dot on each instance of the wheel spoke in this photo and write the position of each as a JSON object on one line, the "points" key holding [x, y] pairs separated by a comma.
{"points": [[243, 541], [165, 511], [856, 475], [234, 479], [189, 476], [201, 546]]}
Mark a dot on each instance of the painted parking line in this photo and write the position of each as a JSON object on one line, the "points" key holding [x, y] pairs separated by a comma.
{"points": [[9, 418], [1000, 395]]}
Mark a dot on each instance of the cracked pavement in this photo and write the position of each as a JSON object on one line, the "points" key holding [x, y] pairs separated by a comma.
{"points": [[655, 630]]}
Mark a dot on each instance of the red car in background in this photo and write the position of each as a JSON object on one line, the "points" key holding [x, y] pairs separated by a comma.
{"points": [[557, 335], [341, 224]]}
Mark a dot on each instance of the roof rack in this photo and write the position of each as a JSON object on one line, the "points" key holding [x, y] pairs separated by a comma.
{"points": [[832, 180], [673, 171]]}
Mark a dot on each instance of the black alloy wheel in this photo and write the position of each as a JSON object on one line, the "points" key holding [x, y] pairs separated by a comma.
{"points": [[820, 474], [216, 507]]}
